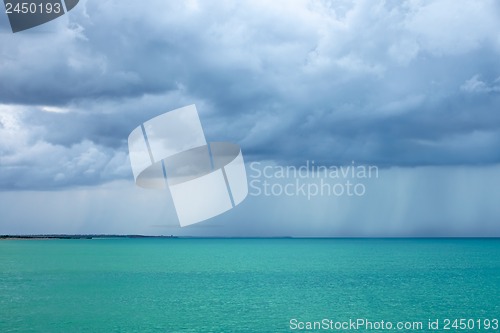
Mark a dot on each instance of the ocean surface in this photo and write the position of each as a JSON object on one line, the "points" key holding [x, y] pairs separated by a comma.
{"points": [[244, 285]]}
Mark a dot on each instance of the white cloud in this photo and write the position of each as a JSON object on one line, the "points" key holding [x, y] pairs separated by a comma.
{"points": [[476, 85], [27, 160], [404, 51], [446, 27], [55, 109]]}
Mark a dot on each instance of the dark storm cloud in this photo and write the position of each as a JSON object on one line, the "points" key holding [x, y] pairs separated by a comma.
{"points": [[387, 83]]}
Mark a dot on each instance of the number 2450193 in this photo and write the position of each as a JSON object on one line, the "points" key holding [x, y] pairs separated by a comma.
{"points": [[33, 8]]}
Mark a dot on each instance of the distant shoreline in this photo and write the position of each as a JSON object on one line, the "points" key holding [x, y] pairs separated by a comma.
{"points": [[42, 237], [51, 237]]}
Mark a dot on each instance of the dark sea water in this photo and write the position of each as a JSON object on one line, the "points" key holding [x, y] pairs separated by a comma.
{"points": [[243, 285]]}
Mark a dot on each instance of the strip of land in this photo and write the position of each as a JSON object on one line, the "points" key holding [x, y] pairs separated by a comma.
{"points": [[6, 237]]}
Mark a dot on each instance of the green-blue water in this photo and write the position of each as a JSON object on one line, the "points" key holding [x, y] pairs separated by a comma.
{"points": [[241, 285]]}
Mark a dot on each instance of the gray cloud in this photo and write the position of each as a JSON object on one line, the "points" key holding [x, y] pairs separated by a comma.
{"points": [[387, 83]]}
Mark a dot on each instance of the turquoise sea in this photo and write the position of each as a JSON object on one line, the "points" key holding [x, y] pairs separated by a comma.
{"points": [[244, 285]]}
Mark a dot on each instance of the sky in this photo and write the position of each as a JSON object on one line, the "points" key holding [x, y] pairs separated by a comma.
{"points": [[411, 87]]}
